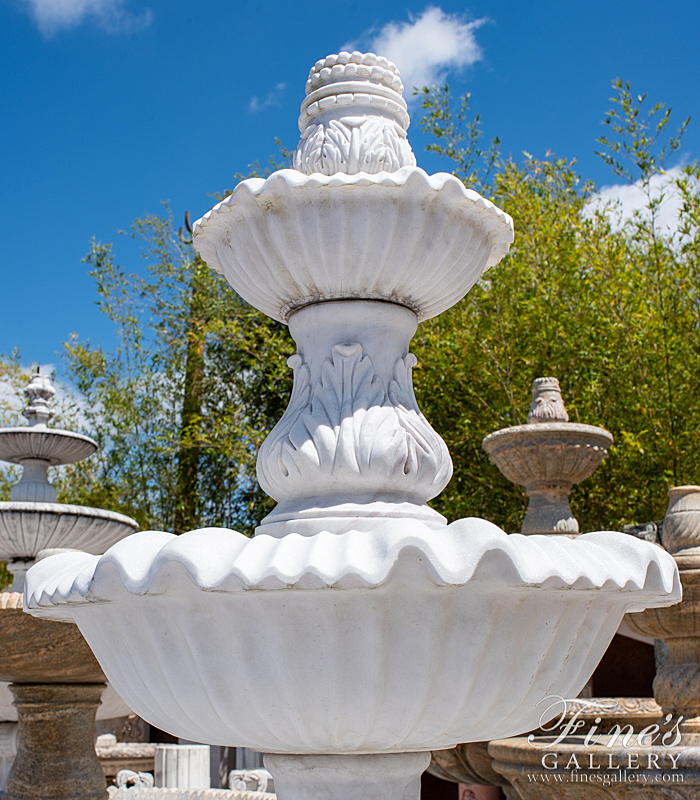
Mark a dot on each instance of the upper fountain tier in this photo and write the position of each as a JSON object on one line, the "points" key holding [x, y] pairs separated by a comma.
{"points": [[355, 218], [33, 520], [36, 441]]}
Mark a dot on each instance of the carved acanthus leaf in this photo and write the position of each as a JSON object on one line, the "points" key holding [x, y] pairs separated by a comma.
{"points": [[352, 145], [349, 433]]}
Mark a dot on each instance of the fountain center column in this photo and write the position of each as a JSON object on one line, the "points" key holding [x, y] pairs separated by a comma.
{"points": [[394, 776], [352, 445]]}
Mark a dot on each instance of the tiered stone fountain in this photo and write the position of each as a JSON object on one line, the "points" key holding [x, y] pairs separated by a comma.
{"points": [[357, 631], [55, 679]]}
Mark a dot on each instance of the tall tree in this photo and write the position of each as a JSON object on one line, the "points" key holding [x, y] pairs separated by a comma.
{"points": [[611, 311], [182, 404]]}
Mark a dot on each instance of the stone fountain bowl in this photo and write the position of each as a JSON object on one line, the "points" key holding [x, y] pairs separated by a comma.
{"points": [[415, 239], [37, 651], [560, 452], [402, 639], [45, 444], [28, 528]]}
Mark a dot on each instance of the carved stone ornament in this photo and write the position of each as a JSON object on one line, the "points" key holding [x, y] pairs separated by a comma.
{"points": [[547, 404], [365, 629], [354, 118], [352, 430]]}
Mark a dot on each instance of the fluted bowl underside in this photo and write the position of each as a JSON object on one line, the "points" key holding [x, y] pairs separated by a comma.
{"points": [[45, 444], [406, 237], [561, 452], [397, 640], [28, 528]]}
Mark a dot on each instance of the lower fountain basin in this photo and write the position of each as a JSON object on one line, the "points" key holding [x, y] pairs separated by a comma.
{"points": [[37, 651], [402, 639], [28, 528]]}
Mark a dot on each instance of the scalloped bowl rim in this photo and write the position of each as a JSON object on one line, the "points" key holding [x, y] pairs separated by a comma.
{"points": [[467, 550], [294, 179]]}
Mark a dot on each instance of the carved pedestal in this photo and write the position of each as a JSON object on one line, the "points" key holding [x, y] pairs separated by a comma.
{"points": [[353, 445], [56, 757]]}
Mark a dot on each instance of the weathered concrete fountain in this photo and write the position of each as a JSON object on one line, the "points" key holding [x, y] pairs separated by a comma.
{"points": [[548, 456], [365, 629], [55, 679]]}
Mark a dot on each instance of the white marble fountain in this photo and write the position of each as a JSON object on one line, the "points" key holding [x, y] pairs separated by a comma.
{"points": [[357, 630]]}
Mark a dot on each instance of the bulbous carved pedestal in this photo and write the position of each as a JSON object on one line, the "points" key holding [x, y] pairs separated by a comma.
{"points": [[352, 445]]}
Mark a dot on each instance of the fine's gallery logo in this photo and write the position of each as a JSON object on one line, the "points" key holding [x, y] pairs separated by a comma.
{"points": [[578, 746]]}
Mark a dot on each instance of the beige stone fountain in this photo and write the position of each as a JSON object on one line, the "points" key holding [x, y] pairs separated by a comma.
{"points": [[548, 456], [55, 679]]}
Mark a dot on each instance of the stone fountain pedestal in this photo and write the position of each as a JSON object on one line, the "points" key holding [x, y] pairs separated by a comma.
{"points": [[54, 677]]}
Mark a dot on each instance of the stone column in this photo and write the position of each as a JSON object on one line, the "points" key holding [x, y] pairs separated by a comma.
{"points": [[677, 683], [56, 757]]}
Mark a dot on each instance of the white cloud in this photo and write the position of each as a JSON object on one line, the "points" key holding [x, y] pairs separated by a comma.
{"points": [[271, 99], [428, 46], [52, 16], [625, 200]]}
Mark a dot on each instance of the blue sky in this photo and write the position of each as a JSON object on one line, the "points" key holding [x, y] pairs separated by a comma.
{"points": [[111, 106]]}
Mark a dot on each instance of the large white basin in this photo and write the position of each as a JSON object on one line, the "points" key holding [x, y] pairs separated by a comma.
{"points": [[399, 640]]}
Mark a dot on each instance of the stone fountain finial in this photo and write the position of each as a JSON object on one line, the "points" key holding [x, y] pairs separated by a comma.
{"points": [[546, 405], [40, 393], [354, 118]]}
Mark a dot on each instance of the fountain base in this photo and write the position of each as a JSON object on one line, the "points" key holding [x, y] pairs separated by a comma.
{"points": [[389, 776], [56, 756]]}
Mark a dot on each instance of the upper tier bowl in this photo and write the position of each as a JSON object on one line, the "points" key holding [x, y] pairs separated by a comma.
{"points": [[44, 444], [567, 452], [407, 237]]}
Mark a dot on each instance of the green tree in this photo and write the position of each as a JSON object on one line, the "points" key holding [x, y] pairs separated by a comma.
{"points": [[611, 311], [183, 403]]}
